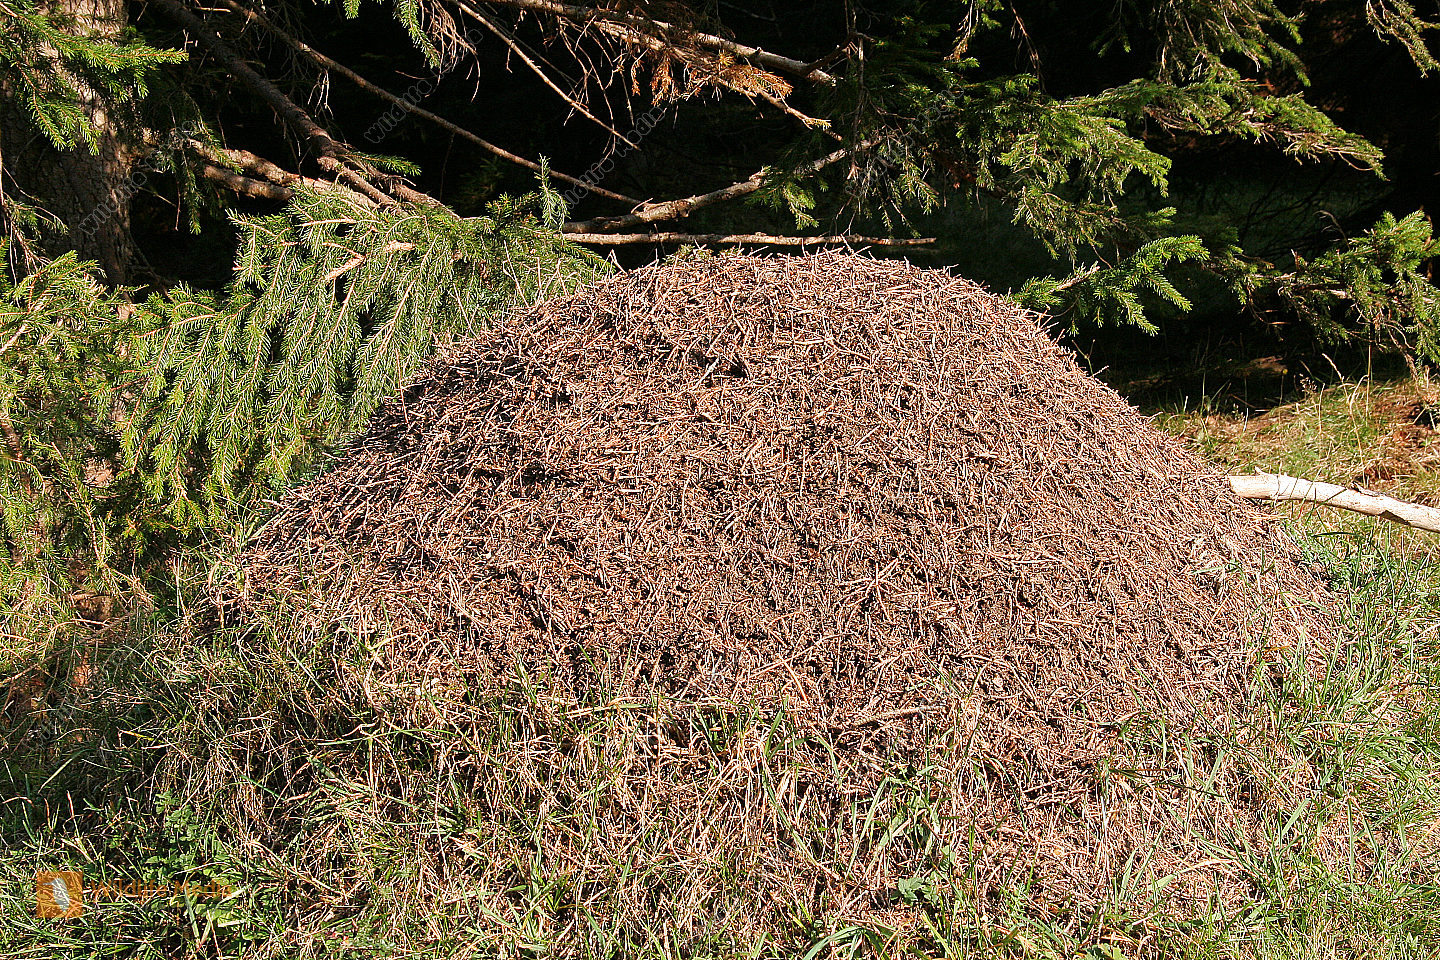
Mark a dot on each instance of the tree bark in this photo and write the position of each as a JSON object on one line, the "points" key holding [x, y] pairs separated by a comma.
{"points": [[88, 189]]}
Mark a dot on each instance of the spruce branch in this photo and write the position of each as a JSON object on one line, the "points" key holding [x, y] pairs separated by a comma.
{"points": [[1374, 285], [1397, 21], [335, 302]]}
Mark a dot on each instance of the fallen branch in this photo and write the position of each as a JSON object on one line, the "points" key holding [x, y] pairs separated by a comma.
{"points": [[728, 238], [1274, 486]]}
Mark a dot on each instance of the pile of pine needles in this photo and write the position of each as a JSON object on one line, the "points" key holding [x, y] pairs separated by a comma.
{"points": [[801, 529]]}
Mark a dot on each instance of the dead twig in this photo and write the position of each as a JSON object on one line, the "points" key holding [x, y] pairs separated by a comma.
{"points": [[333, 154], [1275, 486], [525, 58], [683, 207], [730, 239], [328, 63], [642, 28]]}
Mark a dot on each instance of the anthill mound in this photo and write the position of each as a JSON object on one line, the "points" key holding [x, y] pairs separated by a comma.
{"points": [[874, 496]]}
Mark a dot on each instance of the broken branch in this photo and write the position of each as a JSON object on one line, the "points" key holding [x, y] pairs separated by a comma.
{"points": [[636, 25], [756, 238], [1274, 486], [683, 207]]}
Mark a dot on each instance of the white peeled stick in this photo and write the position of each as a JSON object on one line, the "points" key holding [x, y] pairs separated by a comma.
{"points": [[1275, 486]]}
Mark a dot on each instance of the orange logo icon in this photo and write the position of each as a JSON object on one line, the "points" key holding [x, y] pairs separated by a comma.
{"points": [[59, 893]]}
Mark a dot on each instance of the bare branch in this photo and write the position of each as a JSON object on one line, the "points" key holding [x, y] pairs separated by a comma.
{"points": [[834, 56], [641, 28], [605, 239], [328, 63], [242, 184], [519, 51], [256, 168], [331, 150], [677, 209], [809, 122], [1274, 486]]}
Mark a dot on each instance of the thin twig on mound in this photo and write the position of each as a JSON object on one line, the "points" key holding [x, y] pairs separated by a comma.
{"points": [[1275, 486]]}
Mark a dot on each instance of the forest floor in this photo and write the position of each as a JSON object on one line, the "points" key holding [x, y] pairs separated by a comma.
{"points": [[1368, 722]]}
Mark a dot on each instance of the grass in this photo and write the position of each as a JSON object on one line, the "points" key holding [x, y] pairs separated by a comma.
{"points": [[1379, 435], [349, 812]]}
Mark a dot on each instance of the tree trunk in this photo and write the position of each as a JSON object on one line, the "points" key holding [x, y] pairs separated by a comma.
{"points": [[87, 189]]}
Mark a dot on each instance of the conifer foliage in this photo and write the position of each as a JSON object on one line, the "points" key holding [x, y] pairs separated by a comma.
{"points": [[65, 363], [42, 56], [127, 427], [334, 305]]}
